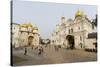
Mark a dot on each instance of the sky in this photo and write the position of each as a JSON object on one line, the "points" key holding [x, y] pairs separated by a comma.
{"points": [[47, 15]]}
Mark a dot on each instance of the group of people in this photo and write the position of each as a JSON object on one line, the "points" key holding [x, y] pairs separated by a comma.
{"points": [[38, 48]]}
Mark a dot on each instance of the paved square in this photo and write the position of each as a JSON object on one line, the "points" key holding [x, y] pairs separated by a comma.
{"points": [[50, 56]]}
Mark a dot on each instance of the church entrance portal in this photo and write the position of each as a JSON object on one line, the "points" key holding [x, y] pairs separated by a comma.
{"points": [[30, 39], [71, 42]]}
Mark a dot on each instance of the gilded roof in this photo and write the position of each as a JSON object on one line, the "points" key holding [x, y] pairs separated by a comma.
{"points": [[34, 28], [26, 25]]}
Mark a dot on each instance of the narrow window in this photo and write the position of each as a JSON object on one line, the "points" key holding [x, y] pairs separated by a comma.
{"points": [[79, 28], [80, 38], [69, 31]]}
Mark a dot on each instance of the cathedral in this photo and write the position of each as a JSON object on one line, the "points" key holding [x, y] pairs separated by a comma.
{"points": [[24, 35], [73, 33]]}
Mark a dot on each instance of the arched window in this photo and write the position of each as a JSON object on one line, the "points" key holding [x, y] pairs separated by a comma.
{"points": [[71, 30]]}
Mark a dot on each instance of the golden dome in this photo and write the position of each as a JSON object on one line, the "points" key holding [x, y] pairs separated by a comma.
{"points": [[23, 25], [26, 25], [62, 17], [35, 28], [35, 31], [78, 13], [29, 25]]}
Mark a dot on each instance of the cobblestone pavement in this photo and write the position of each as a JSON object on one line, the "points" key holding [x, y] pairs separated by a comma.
{"points": [[50, 56]]}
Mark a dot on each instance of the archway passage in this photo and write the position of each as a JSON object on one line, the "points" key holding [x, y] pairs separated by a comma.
{"points": [[30, 39], [71, 42]]}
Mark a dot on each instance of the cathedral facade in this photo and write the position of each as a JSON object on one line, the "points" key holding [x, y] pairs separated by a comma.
{"points": [[72, 33]]}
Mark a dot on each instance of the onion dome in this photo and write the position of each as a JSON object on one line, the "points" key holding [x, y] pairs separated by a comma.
{"points": [[62, 17], [35, 29], [78, 13], [23, 25], [26, 25], [29, 25]]}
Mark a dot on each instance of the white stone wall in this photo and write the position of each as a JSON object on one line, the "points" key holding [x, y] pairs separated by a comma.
{"points": [[79, 41], [15, 35], [81, 27], [35, 40], [23, 39], [89, 43]]}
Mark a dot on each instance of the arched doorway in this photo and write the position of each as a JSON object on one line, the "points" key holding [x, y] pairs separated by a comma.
{"points": [[30, 39], [71, 42]]}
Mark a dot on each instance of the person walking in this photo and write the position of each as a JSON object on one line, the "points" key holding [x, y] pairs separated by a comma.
{"points": [[25, 52], [40, 50]]}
